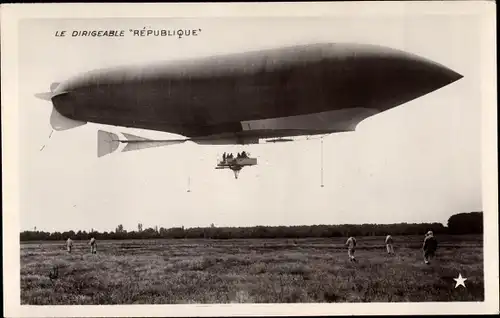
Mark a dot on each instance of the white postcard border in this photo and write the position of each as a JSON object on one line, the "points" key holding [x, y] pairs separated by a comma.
{"points": [[12, 14]]}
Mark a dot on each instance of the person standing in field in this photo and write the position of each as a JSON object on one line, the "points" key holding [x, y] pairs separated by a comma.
{"points": [[429, 247], [351, 248], [69, 244], [389, 244], [93, 246]]}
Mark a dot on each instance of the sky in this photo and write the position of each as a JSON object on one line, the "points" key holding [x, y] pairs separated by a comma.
{"points": [[418, 162]]}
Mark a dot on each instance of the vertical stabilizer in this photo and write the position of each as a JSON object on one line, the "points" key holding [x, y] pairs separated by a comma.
{"points": [[53, 86]]}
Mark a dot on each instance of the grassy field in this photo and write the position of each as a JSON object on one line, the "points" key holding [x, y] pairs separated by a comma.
{"points": [[249, 271]]}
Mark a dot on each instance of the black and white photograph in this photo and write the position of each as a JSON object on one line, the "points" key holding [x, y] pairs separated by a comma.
{"points": [[220, 154]]}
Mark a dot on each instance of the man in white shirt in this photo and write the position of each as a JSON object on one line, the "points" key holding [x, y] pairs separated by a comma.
{"points": [[93, 246], [69, 244], [351, 248], [389, 244]]}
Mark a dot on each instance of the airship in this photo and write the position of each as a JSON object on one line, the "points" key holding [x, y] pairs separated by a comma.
{"points": [[248, 97]]}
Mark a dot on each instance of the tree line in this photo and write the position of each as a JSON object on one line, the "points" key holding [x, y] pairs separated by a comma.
{"points": [[462, 223]]}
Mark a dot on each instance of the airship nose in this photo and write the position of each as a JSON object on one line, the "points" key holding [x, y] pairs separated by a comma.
{"points": [[387, 79], [426, 75], [418, 77]]}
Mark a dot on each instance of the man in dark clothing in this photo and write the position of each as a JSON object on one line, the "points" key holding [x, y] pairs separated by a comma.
{"points": [[429, 247]]}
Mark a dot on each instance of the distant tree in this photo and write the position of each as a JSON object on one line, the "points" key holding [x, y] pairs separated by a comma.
{"points": [[466, 223], [163, 232], [463, 223], [148, 233], [139, 227]]}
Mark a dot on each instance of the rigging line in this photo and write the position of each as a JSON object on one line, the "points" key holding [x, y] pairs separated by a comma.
{"points": [[322, 185], [50, 135], [307, 138]]}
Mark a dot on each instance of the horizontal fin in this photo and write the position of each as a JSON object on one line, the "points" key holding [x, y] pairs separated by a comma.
{"points": [[144, 144], [131, 137], [48, 95], [45, 96], [107, 143]]}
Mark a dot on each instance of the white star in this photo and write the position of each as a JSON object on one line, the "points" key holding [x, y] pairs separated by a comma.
{"points": [[460, 281]]}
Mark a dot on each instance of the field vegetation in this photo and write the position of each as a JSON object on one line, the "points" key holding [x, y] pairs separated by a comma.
{"points": [[172, 271]]}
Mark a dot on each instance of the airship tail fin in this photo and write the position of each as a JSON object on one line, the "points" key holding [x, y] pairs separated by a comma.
{"points": [[53, 86], [45, 96], [131, 137], [107, 143], [147, 143], [137, 143]]}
